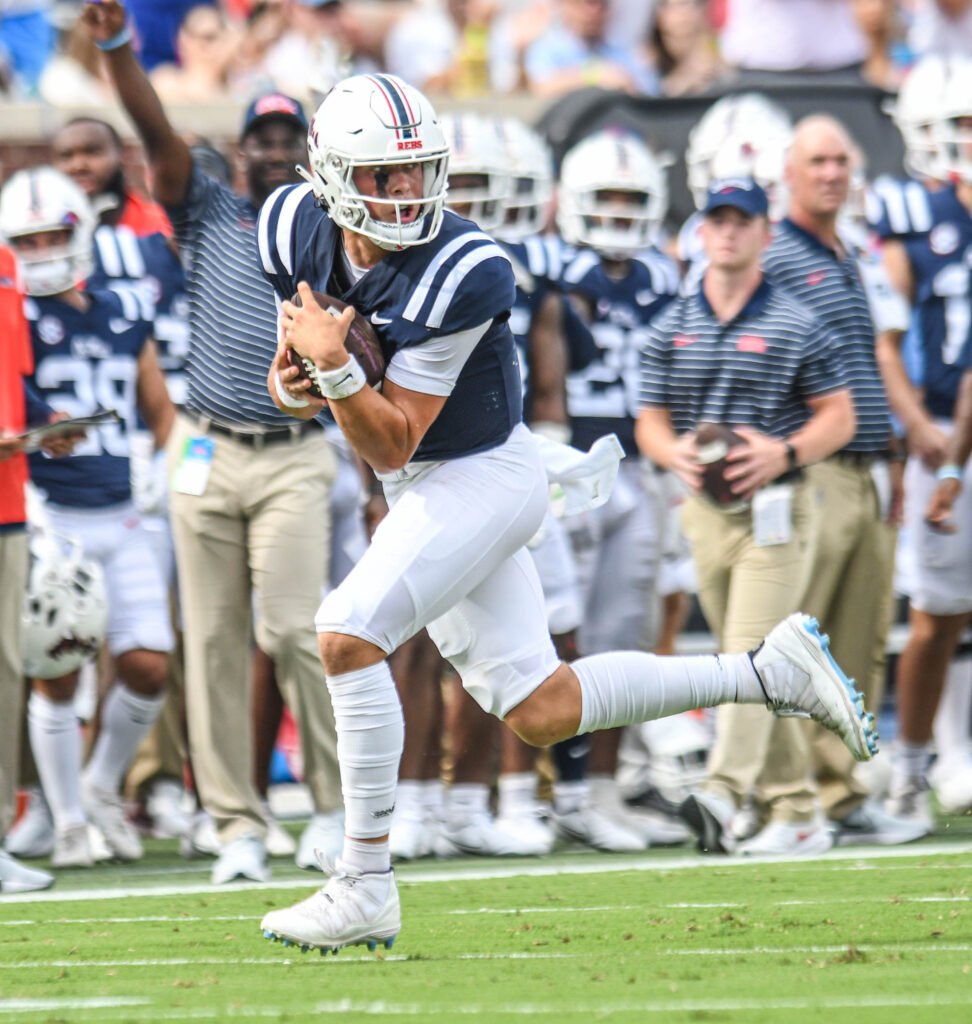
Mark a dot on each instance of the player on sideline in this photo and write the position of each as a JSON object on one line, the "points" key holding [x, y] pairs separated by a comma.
{"points": [[466, 490]]}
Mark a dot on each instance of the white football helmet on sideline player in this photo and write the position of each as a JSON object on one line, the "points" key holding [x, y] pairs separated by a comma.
{"points": [[38, 200], [918, 111], [526, 205], [374, 120], [758, 153], [65, 610], [612, 162], [753, 122], [478, 168], [953, 128]]}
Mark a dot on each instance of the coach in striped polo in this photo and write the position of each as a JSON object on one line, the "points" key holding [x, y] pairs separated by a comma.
{"points": [[850, 588], [742, 352], [243, 474]]}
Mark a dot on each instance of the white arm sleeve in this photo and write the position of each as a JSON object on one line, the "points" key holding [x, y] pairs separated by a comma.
{"points": [[433, 367]]}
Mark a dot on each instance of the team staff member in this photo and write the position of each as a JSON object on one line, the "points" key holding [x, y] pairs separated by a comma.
{"points": [[850, 589], [244, 474], [740, 351]]}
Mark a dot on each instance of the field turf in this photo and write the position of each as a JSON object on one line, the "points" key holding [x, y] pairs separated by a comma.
{"points": [[868, 936]]}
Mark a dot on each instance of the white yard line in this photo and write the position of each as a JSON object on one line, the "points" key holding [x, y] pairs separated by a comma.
{"points": [[866, 949], [847, 859], [76, 1003]]}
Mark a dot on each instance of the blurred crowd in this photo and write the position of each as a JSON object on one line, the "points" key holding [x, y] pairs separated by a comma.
{"points": [[205, 52]]}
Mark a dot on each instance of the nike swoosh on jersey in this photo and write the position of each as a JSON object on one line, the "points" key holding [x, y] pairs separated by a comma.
{"points": [[378, 321]]}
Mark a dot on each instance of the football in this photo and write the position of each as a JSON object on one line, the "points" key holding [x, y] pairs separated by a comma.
{"points": [[712, 444], [362, 342]]}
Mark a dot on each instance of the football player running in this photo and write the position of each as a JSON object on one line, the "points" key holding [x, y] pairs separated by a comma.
{"points": [[466, 490]]}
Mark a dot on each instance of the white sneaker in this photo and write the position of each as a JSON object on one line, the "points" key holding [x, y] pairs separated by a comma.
{"points": [[800, 678], [782, 839], [483, 836], [279, 843], [593, 827], [412, 836], [710, 818], [165, 808], [324, 832], [33, 835], [952, 782], [17, 877], [71, 848], [353, 909], [242, 857], [106, 811], [202, 839], [871, 823], [908, 799], [536, 836]]}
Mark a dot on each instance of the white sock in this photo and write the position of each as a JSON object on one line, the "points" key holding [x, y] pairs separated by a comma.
{"points": [[517, 793], [408, 797], [911, 760], [366, 857], [951, 727], [126, 718], [467, 801], [624, 687], [370, 736], [570, 796], [55, 739]]}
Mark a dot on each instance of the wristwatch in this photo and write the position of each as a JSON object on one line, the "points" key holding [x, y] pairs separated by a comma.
{"points": [[791, 457]]}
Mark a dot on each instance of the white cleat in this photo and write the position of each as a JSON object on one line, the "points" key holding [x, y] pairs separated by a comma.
{"points": [[106, 811], [324, 832], [279, 843], [202, 839], [71, 848], [412, 836], [165, 808], [33, 835], [353, 909], [952, 782], [801, 679], [783, 839], [871, 823], [243, 857], [710, 818], [593, 827], [483, 836], [908, 800], [536, 837], [654, 828], [17, 877]]}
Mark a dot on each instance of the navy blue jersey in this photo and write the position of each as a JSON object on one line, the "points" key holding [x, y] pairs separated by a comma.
{"points": [[936, 231], [603, 398], [84, 362], [459, 280], [149, 267], [533, 285]]}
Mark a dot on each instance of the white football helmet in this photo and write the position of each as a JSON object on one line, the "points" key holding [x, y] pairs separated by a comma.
{"points": [[917, 112], [608, 161], [476, 150], [760, 154], [526, 205], [42, 199], [369, 121], [747, 121], [65, 611], [954, 126]]}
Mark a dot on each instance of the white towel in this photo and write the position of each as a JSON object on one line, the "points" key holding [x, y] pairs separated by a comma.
{"points": [[587, 478]]}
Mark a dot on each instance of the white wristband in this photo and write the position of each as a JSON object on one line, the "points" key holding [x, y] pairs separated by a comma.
{"points": [[288, 400], [343, 382]]}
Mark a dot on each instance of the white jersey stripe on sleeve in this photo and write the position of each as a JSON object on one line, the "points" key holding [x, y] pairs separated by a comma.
{"points": [[285, 225], [422, 289], [455, 278]]}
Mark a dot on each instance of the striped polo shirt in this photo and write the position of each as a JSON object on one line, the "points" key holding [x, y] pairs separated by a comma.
{"points": [[232, 313], [757, 370], [829, 283]]}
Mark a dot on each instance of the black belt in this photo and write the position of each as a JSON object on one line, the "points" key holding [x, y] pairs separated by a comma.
{"points": [[255, 437], [861, 460]]}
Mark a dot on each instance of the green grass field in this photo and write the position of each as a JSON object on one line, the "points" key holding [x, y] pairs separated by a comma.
{"points": [[865, 936]]}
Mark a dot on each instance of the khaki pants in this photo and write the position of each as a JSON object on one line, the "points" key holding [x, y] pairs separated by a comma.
{"points": [[13, 584], [744, 591], [851, 593], [261, 527]]}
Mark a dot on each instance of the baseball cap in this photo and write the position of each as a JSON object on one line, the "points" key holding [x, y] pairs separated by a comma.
{"points": [[273, 104], [742, 193]]}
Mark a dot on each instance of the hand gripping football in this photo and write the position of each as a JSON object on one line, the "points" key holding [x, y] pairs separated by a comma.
{"points": [[712, 444], [362, 342]]}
